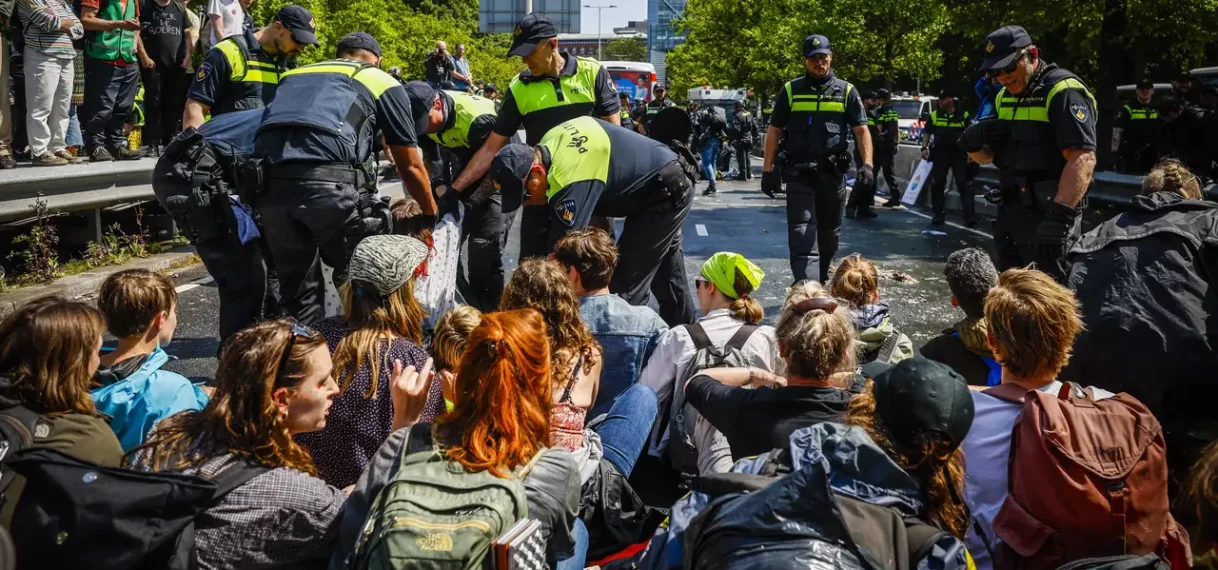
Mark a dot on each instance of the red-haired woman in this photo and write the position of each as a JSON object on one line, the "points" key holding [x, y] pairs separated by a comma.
{"points": [[500, 421]]}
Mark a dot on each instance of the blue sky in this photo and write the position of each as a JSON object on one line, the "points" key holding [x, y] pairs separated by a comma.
{"points": [[626, 11]]}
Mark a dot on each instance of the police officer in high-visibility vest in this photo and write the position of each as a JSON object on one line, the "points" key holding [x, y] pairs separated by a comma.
{"points": [[659, 102], [812, 117], [1043, 141], [556, 87], [457, 124], [586, 166], [940, 145], [625, 119], [889, 130], [1136, 132], [242, 71], [313, 155]]}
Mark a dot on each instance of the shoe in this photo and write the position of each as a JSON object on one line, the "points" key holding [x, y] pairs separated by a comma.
{"points": [[849, 214], [892, 204], [937, 221], [100, 154], [7, 161], [48, 159], [68, 156], [710, 191], [123, 153], [868, 214]]}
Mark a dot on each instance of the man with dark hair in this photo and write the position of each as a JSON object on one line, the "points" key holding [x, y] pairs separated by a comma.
{"points": [[628, 334], [964, 346]]}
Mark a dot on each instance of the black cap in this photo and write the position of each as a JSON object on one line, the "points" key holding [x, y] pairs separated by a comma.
{"points": [[881, 93], [508, 172], [918, 399], [945, 92], [359, 40], [658, 88], [530, 31], [868, 95], [1146, 84], [300, 23], [816, 44], [1184, 76], [490, 87], [623, 95], [1003, 45], [421, 97]]}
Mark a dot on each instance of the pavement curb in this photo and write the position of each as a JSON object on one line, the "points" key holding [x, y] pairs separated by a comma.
{"points": [[74, 286]]}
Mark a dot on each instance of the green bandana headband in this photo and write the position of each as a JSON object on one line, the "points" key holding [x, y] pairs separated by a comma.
{"points": [[721, 269]]}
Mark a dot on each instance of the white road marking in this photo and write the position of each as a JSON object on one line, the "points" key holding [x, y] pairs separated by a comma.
{"points": [[701, 229], [194, 284], [907, 209]]}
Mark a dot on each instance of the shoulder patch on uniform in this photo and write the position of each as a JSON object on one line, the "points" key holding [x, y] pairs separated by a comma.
{"points": [[204, 71], [1079, 111], [566, 211]]}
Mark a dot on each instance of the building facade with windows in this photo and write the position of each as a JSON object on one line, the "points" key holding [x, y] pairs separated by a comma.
{"points": [[661, 36]]}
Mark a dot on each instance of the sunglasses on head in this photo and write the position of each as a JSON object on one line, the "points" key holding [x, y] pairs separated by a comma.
{"points": [[1010, 68], [298, 331]]}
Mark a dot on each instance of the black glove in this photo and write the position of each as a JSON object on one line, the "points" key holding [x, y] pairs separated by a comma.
{"points": [[865, 178], [1052, 236], [973, 138], [770, 183]]}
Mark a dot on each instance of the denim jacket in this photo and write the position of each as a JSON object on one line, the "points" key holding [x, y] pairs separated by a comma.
{"points": [[628, 334]]}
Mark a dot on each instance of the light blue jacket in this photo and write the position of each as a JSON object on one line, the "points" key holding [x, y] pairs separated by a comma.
{"points": [[135, 403]]}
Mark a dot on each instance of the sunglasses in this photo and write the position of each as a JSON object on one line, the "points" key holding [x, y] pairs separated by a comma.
{"points": [[818, 57], [298, 331], [1010, 68], [699, 282]]}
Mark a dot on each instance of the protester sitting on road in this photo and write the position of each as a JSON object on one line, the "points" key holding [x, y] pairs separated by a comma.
{"points": [[500, 422], [448, 345], [1201, 493], [628, 334], [857, 282], [48, 356], [141, 310], [816, 340], [965, 346], [382, 323]]}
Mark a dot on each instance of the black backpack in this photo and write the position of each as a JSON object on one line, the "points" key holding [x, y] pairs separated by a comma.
{"points": [[1125, 562]]}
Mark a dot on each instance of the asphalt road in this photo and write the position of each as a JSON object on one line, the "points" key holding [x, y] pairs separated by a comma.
{"points": [[738, 219]]}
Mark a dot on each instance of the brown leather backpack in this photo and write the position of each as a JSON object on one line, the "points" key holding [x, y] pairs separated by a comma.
{"points": [[1087, 478]]}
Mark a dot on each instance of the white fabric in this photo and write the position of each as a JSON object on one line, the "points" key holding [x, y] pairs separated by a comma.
{"points": [[232, 18], [920, 175], [437, 291], [48, 92]]}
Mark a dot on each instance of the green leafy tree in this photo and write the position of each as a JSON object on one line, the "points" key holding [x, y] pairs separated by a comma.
{"points": [[625, 49]]}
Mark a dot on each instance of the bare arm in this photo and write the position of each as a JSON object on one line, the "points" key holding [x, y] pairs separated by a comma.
{"points": [[90, 21], [1076, 177], [481, 162], [862, 140], [773, 137], [409, 162], [614, 118], [983, 156], [743, 377], [194, 114]]}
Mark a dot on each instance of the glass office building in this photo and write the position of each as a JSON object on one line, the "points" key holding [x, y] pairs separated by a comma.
{"points": [[661, 37]]}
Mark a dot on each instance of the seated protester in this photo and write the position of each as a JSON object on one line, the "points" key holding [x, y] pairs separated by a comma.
{"points": [[499, 423], [816, 340], [381, 323], [964, 346], [1148, 291], [436, 283], [857, 282], [448, 344], [1201, 493], [898, 448], [140, 307], [48, 356], [628, 334], [723, 288]]}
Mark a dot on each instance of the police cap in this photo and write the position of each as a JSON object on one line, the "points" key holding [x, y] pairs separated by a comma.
{"points": [[946, 92], [816, 44], [508, 172], [623, 95], [421, 97], [490, 88], [659, 88], [868, 95], [300, 23], [1184, 76], [531, 30], [1146, 84], [881, 93], [1003, 46], [358, 40]]}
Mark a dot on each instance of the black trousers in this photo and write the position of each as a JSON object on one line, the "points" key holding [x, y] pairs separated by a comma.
{"points": [[958, 167], [1015, 230], [305, 219], [534, 231], [744, 161], [109, 97], [651, 260], [241, 273], [486, 229], [815, 205], [884, 159], [164, 100]]}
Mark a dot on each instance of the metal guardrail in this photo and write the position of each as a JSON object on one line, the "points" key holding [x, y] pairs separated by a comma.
{"points": [[74, 188]]}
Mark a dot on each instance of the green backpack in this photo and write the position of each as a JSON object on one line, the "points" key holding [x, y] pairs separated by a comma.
{"points": [[434, 513]]}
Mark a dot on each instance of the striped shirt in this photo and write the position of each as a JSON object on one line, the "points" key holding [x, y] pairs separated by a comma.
{"points": [[42, 20]]}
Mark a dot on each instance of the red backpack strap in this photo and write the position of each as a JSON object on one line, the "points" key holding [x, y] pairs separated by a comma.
{"points": [[1077, 395], [1008, 392]]}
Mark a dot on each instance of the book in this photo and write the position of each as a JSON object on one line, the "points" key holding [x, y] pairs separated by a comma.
{"points": [[522, 547]]}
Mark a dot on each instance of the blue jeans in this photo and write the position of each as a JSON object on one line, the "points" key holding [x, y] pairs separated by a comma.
{"points": [[74, 137], [710, 159], [577, 560], [625, 429]]}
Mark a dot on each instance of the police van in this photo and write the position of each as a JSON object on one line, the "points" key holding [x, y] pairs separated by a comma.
{"points": [[911, 109]]}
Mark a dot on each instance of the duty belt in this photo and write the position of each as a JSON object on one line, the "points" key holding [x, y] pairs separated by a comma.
{"points": [[329, 172]]}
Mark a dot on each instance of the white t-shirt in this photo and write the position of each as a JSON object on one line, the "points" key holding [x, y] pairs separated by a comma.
{"points": [[232, 18]]}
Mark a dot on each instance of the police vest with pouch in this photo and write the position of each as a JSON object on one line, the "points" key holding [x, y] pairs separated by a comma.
{"points": [[544, 104], [252, 80], [948, 128], [1032, 148], [466, 108], [816, 126]]}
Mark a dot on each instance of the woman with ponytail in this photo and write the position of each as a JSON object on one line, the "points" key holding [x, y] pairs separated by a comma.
{"points": [[857, 282]]}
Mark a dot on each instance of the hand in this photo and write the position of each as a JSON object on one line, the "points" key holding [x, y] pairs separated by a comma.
{"points": [[770, 183], [865, 178], [409, 389], [1052, 236], [66, 24], [765, 378], [132, 25], [925, 154], [146, 62], [448, 385]]}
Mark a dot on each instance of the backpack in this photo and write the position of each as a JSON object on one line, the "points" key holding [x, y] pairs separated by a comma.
{"points": [[433, 513], [672, 126], [17, 427], [1087, 478], [681, 452], [1129, 562]]}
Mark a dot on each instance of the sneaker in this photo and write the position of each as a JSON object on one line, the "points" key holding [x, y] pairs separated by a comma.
{"points": [[68, 156], [868, 214], [710, 191], [49, 159], [937, 221], [7, 161], [100, 154], [123, 153]]}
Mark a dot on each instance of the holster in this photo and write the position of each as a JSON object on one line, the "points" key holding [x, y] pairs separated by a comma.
{"points": [[374, 215], [250, 174]]}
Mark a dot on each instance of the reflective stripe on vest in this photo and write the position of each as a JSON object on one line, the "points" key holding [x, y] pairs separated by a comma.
{"points": [[542, 94], [368, 75], [946, 121], [579, 151], [817, 102], [116, 44], [467, 108], [1005, 104], [1142, 113], [246, 69]]}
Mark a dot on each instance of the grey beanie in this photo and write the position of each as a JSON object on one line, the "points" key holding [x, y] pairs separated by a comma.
{"points": [[386, 262]]}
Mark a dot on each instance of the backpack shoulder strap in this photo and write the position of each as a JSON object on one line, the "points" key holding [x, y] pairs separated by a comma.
{"points": [[524, 470], [237, 474], [1008, 392], [420, 439], [698, 335], [890, 344], [742, 336], [921, 538], [22, 421]]}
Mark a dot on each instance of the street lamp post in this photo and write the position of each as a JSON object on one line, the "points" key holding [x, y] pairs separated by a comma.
{"points": [[599, 55]]}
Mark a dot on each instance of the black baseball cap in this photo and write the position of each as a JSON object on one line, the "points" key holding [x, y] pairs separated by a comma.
{"points": [[1184, 76], [868, 95], [881, 93], [1146, 84], [920, 399], [816, 44], [530, 31], [623, 95], [508, 172], [300, 23], [945, 92], [659, 87], [490, 87], [1003, 45], [358, 40], [421, 97]]}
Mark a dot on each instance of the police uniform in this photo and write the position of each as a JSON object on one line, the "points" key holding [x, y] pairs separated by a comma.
{"points": [[596, 168], [1140, 126], [624, 115], [941, 136], [315, 150], [583, 88], [885, 147], [816, 117], [655, 106], [745, 132]]}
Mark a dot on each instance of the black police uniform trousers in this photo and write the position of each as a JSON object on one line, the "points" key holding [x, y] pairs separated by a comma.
{"points": [[743, 161], [816, 202], [1022, 210], [885, 156], [243, 283], [650, 252], [957, 165]]}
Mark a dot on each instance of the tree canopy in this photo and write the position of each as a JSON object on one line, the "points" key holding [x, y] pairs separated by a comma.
{"points": [[625, 49]]}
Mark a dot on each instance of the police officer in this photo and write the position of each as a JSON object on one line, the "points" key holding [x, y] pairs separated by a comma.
{"points": [[1135, 134], [659, 102], [744, 132], [315, 149], [940, 145], [811, 119], [862, 199], [584, 167], [887, 126], [242, 71], [625, 118], [1043, 141], [557, 86], [458, 124]]}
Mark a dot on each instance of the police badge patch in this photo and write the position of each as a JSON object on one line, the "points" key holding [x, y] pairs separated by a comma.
{"points": [[566, 211], [1079, 111], [204, 71]]}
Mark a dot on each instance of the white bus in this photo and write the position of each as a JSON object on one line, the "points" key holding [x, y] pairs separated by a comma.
{"points": [[632, 77]]}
